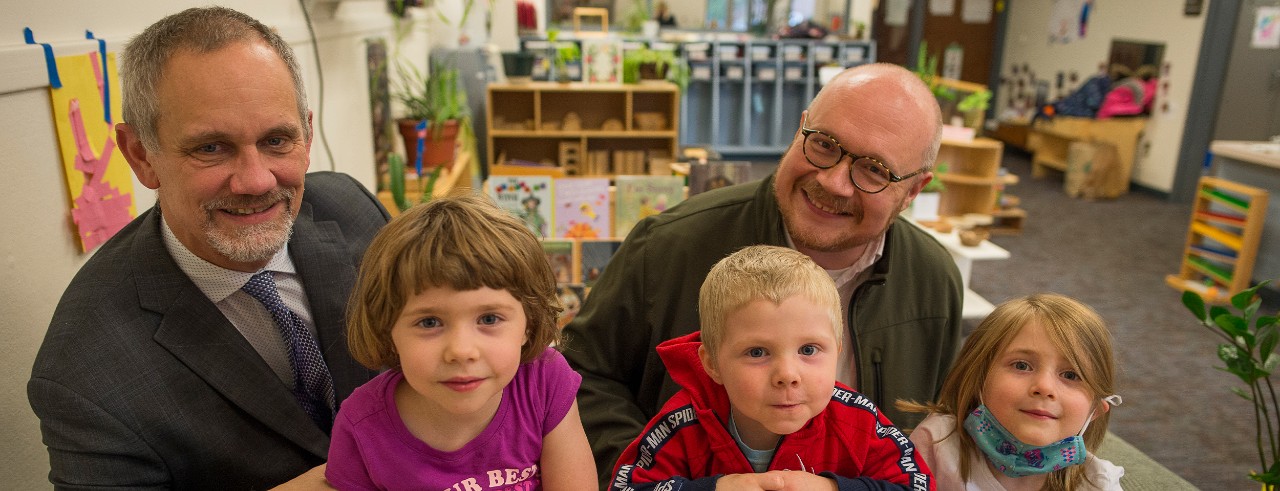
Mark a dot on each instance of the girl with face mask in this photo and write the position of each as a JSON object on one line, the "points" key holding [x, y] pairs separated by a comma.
{"points": [[1026, 403]]}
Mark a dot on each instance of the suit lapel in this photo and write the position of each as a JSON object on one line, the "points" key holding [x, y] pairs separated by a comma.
{"points": [[196, 333]]}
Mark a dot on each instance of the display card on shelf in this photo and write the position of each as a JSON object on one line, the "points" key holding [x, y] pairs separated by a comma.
{"points": [[563, 256], [582, 208], [640, 196], [527, 197], [595, 255], [602, 61]]}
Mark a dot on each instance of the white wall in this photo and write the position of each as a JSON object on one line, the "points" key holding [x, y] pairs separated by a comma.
{"points": [[1143, 20], [38, 255]]}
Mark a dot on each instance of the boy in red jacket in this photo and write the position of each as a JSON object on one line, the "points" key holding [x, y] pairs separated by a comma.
{"points": [[758, 410]]}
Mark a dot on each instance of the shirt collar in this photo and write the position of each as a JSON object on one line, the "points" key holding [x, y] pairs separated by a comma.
{"points": [[873, 253], [214, 281]]}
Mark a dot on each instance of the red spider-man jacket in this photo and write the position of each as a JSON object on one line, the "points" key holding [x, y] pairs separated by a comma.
{"points": [[687, 445]]}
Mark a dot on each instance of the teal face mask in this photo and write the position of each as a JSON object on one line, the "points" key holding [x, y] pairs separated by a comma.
{"points": [[1014, 458]]}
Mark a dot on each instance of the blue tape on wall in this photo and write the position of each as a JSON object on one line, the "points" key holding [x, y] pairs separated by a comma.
{"points": [[54, 81]]}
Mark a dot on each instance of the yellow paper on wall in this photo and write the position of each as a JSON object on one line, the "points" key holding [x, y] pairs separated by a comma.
{"points": [[98, 178]]}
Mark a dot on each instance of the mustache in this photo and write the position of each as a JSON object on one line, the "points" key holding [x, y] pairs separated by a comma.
{"points": [[819, 195], [246, 201]]}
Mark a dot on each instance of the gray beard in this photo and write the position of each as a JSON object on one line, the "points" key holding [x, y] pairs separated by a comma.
{"points": [[252, 244]]}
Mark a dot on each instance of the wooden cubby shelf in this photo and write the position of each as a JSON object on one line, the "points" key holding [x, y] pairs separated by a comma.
{"points": [[584, 129], [1222, 239]]}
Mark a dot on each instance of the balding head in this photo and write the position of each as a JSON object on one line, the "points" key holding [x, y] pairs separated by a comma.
{"points": [[897, 87]]}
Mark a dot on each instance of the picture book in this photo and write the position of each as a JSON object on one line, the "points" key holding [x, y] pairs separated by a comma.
{"points": [[582, 209], [602, 61], [717, 174], [595, 256], [562, 254], [526, 197], [641, 196]]}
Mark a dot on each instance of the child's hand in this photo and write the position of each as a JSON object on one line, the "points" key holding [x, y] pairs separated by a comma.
{"points": [[800, 480], [776, 481], [768, 481]]}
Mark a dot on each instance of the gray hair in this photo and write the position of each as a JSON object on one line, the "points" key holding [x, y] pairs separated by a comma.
{"points": [[198, 30]]}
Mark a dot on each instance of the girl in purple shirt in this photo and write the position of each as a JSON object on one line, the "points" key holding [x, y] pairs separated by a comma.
{"points": [[458, 300]]}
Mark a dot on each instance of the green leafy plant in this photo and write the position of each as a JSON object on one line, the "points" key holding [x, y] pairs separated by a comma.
{"points": [[636, 14], [395, 166], [976, 101], [1249, 353], [927, 70], [436, 97], [666, 62], [936, 185]]}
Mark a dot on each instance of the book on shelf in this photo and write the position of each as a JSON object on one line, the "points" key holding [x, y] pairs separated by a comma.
{"points": [[563, 256], [527, 197], [582, 209], [640, 196], [595, 255], [717, 174], [602, 60]]}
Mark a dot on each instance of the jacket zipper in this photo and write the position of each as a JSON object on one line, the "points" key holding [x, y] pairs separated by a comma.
{"points": [[877, 365], [877, 378]]}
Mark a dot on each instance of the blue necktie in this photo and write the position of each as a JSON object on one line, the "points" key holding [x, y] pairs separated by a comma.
{"points": [[313, 386]]}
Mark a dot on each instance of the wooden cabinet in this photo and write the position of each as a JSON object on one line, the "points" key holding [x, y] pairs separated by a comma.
{"points": [[1050, 139], [588, 129], [1222, 241], [974, 182]]}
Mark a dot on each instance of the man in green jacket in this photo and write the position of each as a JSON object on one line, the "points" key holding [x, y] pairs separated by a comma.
{"points": [[865, 147]]}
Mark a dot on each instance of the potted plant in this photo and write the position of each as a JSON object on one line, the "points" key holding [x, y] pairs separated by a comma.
{"points": [[435, 107], [973, 106], [1249, 352], [645, 64]]}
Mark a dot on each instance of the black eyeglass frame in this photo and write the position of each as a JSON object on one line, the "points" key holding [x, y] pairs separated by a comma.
{"points": [[853, 158]]}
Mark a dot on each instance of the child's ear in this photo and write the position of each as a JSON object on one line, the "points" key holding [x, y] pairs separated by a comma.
{"points": [[708, 364]]}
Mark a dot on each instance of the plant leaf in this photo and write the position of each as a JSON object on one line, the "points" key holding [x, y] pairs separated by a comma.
{"points": [[1194, 303], [1267, 338], [1230, 324], [1240, 392]]}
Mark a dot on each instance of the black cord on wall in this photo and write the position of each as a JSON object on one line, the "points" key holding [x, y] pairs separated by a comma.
{"points": [[315, 50]]}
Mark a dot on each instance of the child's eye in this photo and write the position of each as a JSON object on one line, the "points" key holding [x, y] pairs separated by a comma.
{"points": [[1071, 375], [1020, 365], [809, 350], [489, 319], [429, 322], [756, 352]]}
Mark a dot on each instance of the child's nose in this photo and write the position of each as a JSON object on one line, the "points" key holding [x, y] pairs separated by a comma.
{"points": [[461, 346], [1045, 384], [785, 373]]}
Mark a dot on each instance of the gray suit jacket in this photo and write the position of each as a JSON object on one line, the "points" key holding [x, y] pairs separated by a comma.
{"points": [[142, 383]]}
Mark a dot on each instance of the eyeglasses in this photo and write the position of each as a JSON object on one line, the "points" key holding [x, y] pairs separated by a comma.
{"points": [[866, 173]]}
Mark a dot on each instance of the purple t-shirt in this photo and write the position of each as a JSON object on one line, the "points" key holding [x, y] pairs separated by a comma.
{"points": [[373, 449]]}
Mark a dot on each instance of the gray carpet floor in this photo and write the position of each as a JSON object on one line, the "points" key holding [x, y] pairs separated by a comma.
{"points": [[1113, 255]]}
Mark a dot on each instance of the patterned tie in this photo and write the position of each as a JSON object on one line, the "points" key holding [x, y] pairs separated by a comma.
{"points": [[313, 386]]}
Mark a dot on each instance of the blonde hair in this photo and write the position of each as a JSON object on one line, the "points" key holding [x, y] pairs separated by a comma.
{"points": [[762, 272], [464, 243], [1075, 330]]}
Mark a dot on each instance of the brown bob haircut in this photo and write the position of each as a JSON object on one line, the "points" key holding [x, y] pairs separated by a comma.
{"points": [[462, 242]]}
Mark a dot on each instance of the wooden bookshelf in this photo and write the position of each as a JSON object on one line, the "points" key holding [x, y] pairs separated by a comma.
{"points": [[586, 129], [1222, 239]]}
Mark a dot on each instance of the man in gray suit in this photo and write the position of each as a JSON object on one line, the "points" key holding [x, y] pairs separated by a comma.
{"points": [[165, 366]]}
